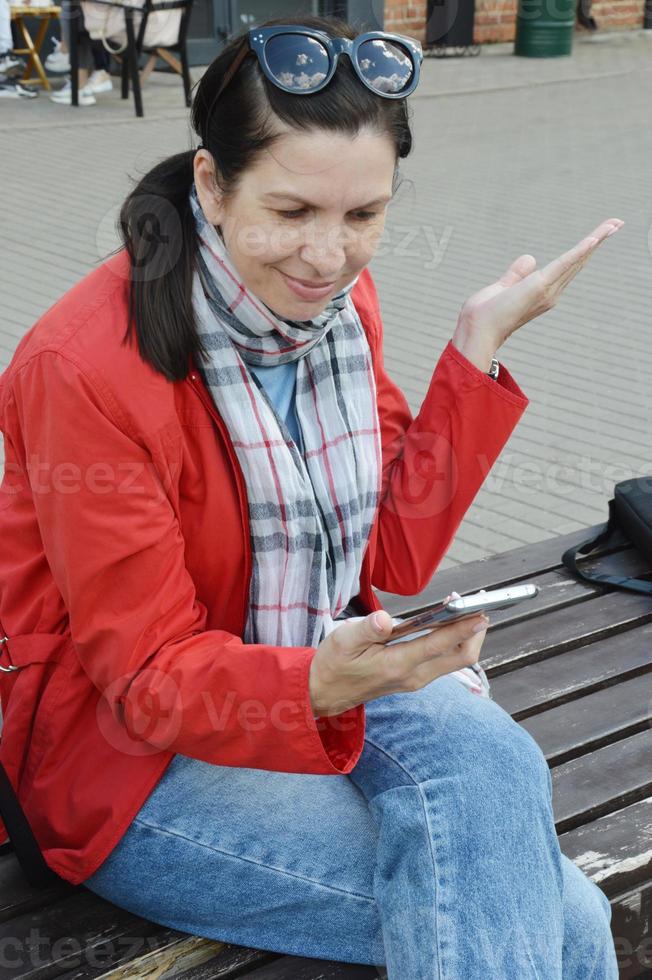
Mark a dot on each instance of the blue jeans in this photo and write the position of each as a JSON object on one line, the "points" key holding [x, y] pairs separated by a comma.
{"points": [[437, 855]]}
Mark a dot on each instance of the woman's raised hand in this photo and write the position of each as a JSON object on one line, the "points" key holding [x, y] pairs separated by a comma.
{"points": [[523, 293], [353, 665]]}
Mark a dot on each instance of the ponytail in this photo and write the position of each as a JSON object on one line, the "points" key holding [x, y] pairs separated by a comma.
{"points": [[158, 231]]}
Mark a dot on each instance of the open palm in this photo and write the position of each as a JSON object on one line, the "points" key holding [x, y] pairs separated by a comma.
{"points": [[525, 292]]}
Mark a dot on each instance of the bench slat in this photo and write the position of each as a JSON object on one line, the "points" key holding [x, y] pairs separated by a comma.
{"points": [[631, 914], [180, 955], [558, 591], [89, 920], [17, 896], [615, 850], [526, 691], [606, 780], [508, 647], [587, 723], [302, 968]]}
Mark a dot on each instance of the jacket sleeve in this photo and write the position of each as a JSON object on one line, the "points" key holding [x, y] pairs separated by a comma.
{"points": [[116, 553], [434, 464]]}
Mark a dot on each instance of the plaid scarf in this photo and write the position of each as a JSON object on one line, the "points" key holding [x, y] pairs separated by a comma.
{"points": [[310, 513]]}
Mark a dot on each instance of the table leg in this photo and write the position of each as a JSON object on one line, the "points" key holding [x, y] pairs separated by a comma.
{"points": [[38, 44], [32, 51]]}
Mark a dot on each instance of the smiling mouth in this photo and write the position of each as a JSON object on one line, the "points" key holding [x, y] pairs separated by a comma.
{"points": [[309, 283]]}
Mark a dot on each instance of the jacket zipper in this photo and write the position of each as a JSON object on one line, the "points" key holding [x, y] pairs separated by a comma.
{"points": [[197, 385]]}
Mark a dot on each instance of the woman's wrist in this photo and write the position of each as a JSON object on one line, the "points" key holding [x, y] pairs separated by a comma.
{"points": [[478, 346]]}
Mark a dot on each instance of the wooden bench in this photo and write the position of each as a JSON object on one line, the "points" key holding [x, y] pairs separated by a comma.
{"points": [[574, 667]]}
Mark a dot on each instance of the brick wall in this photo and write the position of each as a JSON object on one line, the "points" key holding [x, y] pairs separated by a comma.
{"points": [[406, 17], [495, 19]]}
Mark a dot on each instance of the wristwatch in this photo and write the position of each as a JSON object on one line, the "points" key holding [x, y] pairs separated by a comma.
{"points": [[494, 369]]}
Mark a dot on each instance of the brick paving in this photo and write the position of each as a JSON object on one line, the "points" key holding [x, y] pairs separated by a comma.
{"points": [[511, 155]]}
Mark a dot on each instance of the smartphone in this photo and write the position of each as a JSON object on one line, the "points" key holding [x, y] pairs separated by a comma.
{"points": [[460, 608]]}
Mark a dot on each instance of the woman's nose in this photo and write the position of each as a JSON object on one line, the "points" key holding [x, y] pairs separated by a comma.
{"points": [[325, 251]]}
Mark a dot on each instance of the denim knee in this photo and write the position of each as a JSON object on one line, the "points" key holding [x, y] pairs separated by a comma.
{"points": [[444, 729]]}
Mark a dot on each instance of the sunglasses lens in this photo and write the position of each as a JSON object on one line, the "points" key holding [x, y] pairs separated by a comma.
{"points": [[298, 63], [386, 65]]}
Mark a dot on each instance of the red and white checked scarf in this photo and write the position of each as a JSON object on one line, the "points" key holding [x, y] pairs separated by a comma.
{"points": [[310, 515]]}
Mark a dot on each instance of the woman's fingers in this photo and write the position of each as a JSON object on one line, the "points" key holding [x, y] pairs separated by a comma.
{"points": [[570, 262], [462, 654], [519, 269], [470, 649], [445, 640]]}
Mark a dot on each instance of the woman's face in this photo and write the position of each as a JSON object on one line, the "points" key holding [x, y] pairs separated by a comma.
{"points": [[312, 208]]}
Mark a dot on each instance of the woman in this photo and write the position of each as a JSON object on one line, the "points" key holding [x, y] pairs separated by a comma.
{"points": [[193, 510]]}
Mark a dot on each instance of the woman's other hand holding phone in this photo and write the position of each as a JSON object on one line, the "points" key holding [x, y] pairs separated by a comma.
{"points": [[523, 293], [353, 665]]}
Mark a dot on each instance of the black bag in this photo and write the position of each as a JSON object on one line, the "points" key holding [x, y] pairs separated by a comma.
{"points": [[630, 512]]}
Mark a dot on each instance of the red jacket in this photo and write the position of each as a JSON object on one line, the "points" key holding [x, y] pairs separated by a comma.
{"points": [[125, 563]]}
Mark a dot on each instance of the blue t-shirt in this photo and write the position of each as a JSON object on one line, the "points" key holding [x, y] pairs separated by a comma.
{"points": [[279, 382]]}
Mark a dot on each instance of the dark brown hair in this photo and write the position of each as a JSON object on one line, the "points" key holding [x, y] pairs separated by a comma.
{"points": [[156, 221]]}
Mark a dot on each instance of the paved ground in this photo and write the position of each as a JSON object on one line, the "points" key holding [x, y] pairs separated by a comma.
{"points": [[511, 156]]}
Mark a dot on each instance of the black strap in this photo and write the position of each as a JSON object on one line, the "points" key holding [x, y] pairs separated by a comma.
{"points": [[20, 833], [24, 842], [569, 559]]}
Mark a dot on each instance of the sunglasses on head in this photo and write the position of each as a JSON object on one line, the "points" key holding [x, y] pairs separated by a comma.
{"points": [[301, 60]]}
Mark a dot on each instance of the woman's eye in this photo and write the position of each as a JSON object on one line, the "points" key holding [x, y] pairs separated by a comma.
{"points": [[358, 215]]}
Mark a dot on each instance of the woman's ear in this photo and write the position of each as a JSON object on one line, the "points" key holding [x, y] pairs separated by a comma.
{"points": [[207, 192]]}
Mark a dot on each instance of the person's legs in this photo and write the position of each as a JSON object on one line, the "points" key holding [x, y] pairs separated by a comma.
{"points": [[63, 95], [276, 861], [437, 855], [66, 14], [6, 38], [100, 56], [469, 879]]}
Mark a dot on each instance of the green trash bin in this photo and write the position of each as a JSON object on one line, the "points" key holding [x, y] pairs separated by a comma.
{"points": [[544, 28]]}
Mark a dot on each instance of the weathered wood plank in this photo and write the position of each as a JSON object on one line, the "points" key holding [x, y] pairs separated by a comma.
{"points": [[66, 935], [606, 780], [631, 927], [530, 641], [302, 968], [180, 955], [615, 851], [559, 678], [17, 896], [587, 723]]}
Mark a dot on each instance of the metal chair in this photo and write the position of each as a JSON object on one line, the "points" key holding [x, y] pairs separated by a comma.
{"points": [[135, 47]]}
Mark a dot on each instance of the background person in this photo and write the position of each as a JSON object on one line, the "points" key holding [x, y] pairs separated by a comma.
{"points": [[92, 55], [10, 65], [8, 61]]}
